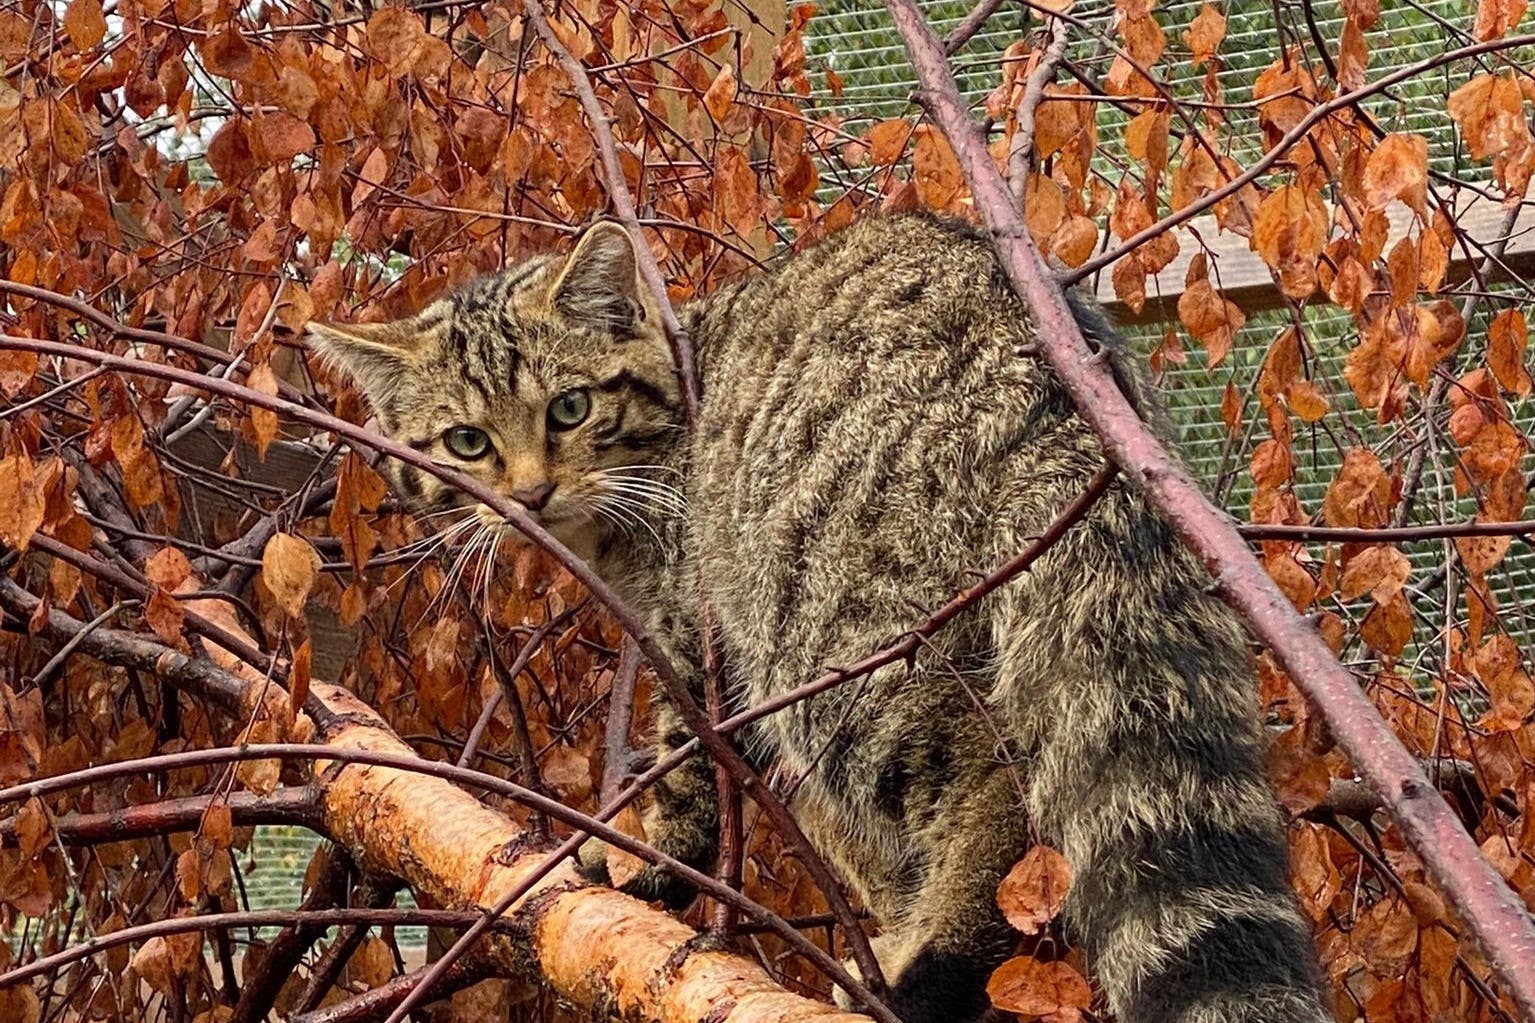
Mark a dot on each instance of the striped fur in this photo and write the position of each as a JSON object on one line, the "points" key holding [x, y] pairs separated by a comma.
{"points": [[872, 435]]}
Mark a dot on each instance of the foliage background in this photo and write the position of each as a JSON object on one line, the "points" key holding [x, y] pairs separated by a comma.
{"points": [[225, 173]]}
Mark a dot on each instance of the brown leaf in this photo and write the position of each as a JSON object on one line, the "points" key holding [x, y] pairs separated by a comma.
{"points": [[1489, 111], [1306, 401], [167, 568], [228, 55], [1292, 579], [1044, 207], [1205, 33], [1507, 338], [1360, 493], [1050, 991], [1397, 169], [229, 152], [19, 1004], [279, 137], [1231, 408], [1289, 231], [1388, 626], [165, 615], [32, 828], [1386, 935], [85, 23], [935, 169], [289, 567], [1381, 571], [1075, 240], [1211, 318], [1033, 892], [298, 678], [1129, 279], [263, 421], [395, 36], [21, 500], [721, 93], [887, 141], [152, 964], [1495, 18], [1481, 554]]}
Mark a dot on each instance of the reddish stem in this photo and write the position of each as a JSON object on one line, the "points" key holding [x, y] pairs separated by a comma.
{"points": [[1494, 913]]}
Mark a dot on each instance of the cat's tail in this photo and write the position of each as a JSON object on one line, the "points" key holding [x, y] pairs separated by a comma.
{"points": [[1136, 694]]}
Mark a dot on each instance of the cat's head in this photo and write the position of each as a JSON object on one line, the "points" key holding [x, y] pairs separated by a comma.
{"points": [[552, 382]]}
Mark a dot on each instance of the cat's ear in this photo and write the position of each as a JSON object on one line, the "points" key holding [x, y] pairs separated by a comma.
{"points": [[376, 355], [599, 285]]}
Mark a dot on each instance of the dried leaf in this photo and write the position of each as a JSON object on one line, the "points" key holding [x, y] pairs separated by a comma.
{"points": [[1033, 892], [1397, 169], [1489, 111], [935, 169], [1204, 34], [1381, 571], [1507, 338], [289, 567], [1388, 627], [85, 23], [21, 500], [395, 36], [1075, 240], [1496, 18], [887, 141], [721, 93], [1054, 992]]}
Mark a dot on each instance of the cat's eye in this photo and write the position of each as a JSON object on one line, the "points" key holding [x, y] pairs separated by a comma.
{"points": [[569, 410], [467, 442]]}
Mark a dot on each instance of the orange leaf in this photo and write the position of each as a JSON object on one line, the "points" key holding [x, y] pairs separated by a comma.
{"points": [[887, 141], [1507, 337], [721, 93], [1489, 111], [1048, 991], [85, 23], [21, 500], [1360, 493], [1205, 33], [167, 568], [1494, 18], [289, 567], [1397, 169], [1388, 626], [1289, 231], [395, 36], [1381, 571], [1033, 892], [935, 169], [1075, 240]]}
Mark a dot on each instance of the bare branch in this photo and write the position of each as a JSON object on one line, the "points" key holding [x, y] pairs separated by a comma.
{"points": [[1497, 917]]}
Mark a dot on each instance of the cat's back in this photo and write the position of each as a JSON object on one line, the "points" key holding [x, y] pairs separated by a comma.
{"points": [[866, 404]]}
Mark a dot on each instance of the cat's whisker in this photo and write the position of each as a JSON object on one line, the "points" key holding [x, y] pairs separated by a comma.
{"points": [[454, 573], [617, 501], [648, 485], [644, 500], [432, 545]]}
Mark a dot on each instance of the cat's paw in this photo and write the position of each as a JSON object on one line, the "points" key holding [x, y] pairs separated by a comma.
{"points": [[600, 863]]}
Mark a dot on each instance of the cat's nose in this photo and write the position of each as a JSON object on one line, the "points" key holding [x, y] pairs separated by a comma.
{"points": [[535, 497]]}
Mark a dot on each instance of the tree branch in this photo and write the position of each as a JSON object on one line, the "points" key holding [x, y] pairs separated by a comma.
{"points": [[1495, 915]]}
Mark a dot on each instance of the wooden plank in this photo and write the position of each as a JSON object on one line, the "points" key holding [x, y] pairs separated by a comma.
{"points": [[1245, 280]]}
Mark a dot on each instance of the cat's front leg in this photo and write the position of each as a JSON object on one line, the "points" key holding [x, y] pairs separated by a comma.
{"points": [[682, 819]]}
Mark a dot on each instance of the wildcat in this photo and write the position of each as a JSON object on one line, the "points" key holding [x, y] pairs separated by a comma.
{"points": [[873, 433]]}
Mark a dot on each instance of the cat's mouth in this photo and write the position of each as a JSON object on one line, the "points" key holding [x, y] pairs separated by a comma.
{"points": [[565, 524]]}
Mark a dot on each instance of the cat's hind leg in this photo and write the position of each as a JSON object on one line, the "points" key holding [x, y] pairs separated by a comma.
{"points": [[938, 954]]}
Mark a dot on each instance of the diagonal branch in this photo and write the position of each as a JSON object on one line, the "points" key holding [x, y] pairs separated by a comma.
{"points": [[1495, 915]]}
